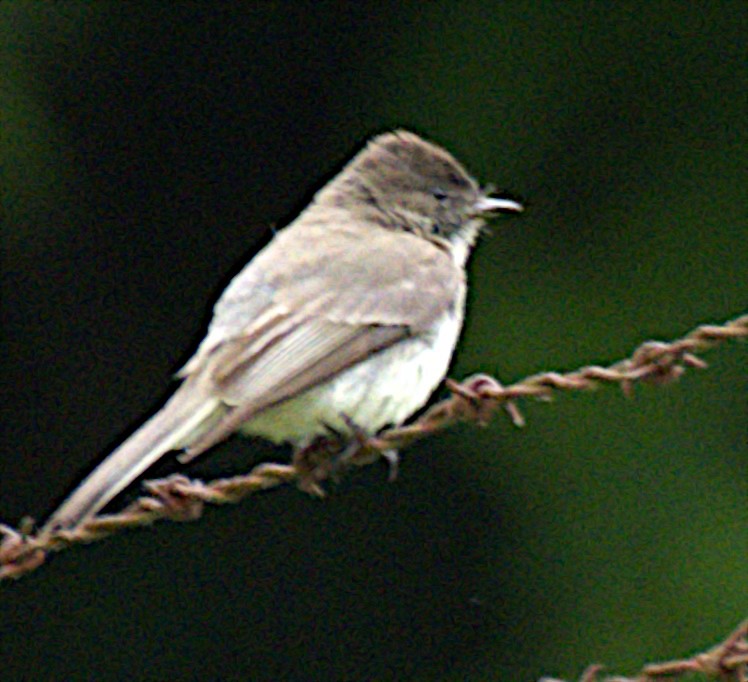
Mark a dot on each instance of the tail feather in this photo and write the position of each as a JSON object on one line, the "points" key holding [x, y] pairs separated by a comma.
{"points": [[173, 426]]}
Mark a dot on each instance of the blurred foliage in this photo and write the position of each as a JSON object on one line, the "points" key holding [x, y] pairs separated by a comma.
{"points": [[147, 150]]}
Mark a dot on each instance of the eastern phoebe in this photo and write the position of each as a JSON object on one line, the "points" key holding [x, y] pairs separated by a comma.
{"points": [[345, 321]]}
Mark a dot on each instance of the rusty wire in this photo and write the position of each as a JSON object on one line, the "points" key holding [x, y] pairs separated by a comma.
{"points": [[476, 399], [727, 661]]}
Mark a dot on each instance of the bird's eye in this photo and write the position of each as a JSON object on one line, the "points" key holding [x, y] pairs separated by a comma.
{"points": [[439, 194]]}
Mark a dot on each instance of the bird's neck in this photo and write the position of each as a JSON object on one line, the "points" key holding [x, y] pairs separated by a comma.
{"points": [[462, 241]]}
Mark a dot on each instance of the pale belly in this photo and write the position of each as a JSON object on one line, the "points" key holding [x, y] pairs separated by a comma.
{"points": [[384, 389]]}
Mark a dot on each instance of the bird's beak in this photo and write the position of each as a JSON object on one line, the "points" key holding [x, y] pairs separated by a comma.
{"points": [[497, 205]]}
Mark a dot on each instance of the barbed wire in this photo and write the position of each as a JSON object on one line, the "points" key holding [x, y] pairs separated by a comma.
{"points": [[727, 661], [477, 398]]}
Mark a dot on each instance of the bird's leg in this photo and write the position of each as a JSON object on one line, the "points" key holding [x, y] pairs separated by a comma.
{"points": [[328, 456], [316, 462], [364, 449]]}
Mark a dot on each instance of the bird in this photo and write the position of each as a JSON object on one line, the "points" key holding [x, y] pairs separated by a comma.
{"points": [[346, 322]]}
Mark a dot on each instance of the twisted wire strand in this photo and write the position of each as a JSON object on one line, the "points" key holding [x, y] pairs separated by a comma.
{"points": [[477, 398], [727, 661]]}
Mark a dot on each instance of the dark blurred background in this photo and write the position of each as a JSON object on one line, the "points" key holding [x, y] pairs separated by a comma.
{"points": [[147, 151]]}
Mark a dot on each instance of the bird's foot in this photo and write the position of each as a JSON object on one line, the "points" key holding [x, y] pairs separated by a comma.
{"points": [[364, 449], [327, 457], [316, 462]]}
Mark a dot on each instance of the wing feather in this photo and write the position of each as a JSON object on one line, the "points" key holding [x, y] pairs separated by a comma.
{"points": [[312, 353]]}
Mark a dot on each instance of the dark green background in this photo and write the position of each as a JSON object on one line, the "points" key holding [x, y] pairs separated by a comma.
{"points": [[148, 148]]}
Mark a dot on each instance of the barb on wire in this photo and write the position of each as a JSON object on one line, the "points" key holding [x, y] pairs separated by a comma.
{"points": [[475, 399]]}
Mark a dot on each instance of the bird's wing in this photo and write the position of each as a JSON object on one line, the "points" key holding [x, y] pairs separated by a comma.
{"points": [[304, 357], [316, 317]]}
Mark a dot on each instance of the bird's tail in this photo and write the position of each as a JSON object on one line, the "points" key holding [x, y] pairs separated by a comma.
{"points": [[175, 425]]}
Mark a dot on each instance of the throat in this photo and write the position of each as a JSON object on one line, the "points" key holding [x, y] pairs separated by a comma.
{"points": [[462, 241]]}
